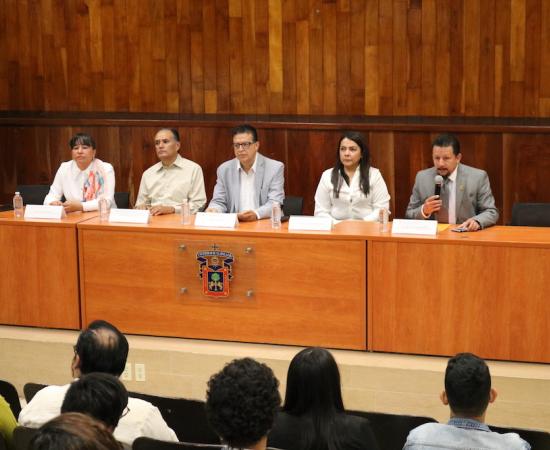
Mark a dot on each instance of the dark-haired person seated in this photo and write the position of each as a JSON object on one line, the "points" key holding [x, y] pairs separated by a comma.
{"points": [[313, 414], [250, 183], [84, 179], [352, 189], [7, 422], [99, 395], [100, 348], [468, 393], [172, 180], [465, 199], [241, 402], [74, 431]]}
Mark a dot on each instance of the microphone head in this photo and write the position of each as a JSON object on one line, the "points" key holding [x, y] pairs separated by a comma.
{"points": [[438, 179]]}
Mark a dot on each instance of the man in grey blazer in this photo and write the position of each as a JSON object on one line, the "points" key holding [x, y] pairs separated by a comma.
{"points": [[466, 196], [250, 183]]}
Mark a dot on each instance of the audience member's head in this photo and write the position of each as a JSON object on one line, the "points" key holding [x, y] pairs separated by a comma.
{"points": [[99, 395], [467, 386], [241, 402], [74, 431], [313, 384], [100, 348]]}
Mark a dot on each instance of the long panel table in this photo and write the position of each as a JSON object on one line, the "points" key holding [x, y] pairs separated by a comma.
{"points": [[307, 288], [353, 288], [481, 292], [39, 271]]}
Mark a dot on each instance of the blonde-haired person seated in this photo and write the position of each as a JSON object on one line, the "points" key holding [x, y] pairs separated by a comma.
{"points": [[352, 189], [83, 180]]}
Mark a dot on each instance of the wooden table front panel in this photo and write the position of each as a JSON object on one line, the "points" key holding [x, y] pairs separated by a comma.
{"points": [[440, 299], [308, 291], [39, 275]]}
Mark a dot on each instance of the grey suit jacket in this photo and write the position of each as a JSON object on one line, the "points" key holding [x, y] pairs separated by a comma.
{"points": [[474, 198], [269, 183]]}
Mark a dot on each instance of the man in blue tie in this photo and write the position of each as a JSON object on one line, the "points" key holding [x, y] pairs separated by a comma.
{"points": [[465, 199]]}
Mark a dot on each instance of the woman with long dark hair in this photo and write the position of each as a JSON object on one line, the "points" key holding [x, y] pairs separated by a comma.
{"points": [[352, 189], [313, 416]]}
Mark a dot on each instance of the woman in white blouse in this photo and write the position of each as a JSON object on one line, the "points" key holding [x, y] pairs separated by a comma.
{"points": [[352, 189], [83, 180]]}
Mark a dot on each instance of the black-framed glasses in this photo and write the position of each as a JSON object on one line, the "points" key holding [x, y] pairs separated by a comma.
{"points": [[244, 145], [125, 412]]}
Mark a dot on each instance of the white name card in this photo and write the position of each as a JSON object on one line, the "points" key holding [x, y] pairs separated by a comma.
{"points": [[44, 212], [216, 220], [309, 223], [129, 216], [422, 227]]}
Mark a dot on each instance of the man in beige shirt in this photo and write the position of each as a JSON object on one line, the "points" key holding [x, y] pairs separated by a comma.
{"points": [[165, 185]]}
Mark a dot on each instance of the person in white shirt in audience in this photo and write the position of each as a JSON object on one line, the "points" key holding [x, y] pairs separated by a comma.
{"points": [[100, 348], [468, 393], [352, 189], [250, 183], [99, 395], [241, 402], [173, 179], [83, 180]]}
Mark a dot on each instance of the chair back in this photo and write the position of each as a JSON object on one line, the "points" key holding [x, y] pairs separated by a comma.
{"points": [[391, 430], [33, 194], [8, 391], [22, 437], [145, 443], [186, 417], [30, 389], [122, 200], [539, 440], [292, 206], [531, 214]]}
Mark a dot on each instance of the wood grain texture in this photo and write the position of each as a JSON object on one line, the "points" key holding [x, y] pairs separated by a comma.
{"points": [[292, 302], [390, 57], [39, 279], [516, 162], [449, 306]]}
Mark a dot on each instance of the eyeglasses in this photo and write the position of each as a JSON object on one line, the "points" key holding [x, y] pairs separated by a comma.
{"points": [[244, 145], [125, 412]]}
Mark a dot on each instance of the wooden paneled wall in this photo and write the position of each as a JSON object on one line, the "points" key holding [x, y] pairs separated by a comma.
{"points": [[518, 163], [389, 57]]}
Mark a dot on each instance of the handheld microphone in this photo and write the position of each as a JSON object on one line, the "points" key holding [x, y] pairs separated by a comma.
{"points": [[438, 180]]}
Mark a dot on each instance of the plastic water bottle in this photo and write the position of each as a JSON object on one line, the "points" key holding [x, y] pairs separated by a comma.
{"points": [[276, 216], [185, 212], [383, 218], [18, 206], [104, 207]]}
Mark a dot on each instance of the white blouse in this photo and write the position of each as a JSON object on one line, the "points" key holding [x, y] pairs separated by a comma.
{"points": [[69, 181], [352, 202]]}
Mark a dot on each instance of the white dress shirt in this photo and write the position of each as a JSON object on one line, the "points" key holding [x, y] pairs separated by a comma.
{"points": [[143, 419], [69, 182], [352, 203], [248, 200], [169, 186]]}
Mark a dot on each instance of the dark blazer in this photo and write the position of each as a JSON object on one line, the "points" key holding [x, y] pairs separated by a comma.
{"points": [[354, 432]]}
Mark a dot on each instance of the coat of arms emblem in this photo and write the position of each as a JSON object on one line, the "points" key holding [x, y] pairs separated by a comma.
{"points": [[215, 270]]}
